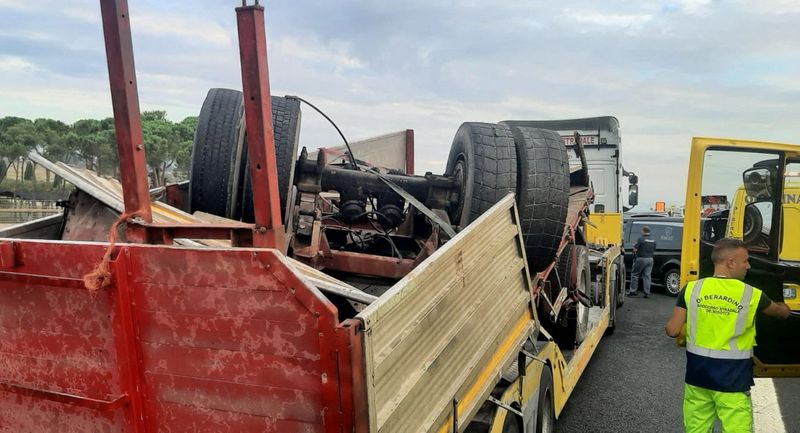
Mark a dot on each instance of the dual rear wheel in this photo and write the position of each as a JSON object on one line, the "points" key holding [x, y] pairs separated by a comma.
{"points": [[489, 161]]}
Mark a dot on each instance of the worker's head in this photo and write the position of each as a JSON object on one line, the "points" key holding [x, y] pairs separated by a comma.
{"points": [[645, 231], [730, 258]]}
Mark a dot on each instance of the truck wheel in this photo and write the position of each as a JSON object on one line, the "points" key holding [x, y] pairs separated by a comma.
{"points": [[752, 224], [286, 130], [621, 279], [482, 161], [215, 152], [583, 274], [219, 154], [672, 281], [613, 288], [545, 412], [566, 266], [542, 192]]}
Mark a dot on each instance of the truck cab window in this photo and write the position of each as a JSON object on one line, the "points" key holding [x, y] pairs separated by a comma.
{"points": [[738, 192]]}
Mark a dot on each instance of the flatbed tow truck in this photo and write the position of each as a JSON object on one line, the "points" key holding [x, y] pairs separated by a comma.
{"points": [[229, 323]]}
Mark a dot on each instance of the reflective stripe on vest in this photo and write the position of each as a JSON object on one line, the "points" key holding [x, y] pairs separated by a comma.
{"points": [[737, 329]]}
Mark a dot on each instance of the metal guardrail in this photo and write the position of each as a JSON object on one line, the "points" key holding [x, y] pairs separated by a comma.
{"points": [[15, 211]]}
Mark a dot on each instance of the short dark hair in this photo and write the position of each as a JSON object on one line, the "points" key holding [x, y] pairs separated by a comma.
{"points": [[724, 245], [646, 230]]}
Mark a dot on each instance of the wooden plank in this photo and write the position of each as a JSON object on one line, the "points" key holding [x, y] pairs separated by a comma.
{"points": [[448, 329]]}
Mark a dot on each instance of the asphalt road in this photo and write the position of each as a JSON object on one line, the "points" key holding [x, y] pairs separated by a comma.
{"points": [[634, 382]]}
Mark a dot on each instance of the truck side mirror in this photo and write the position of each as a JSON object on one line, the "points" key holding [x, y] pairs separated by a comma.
{"points": [[633, 195], [758, 184]]}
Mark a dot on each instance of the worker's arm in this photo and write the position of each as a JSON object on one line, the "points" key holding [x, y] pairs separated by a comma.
{"points": [[675, 323], [777, 309]]}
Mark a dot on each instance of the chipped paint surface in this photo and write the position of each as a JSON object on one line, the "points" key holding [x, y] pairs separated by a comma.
{"points": [[217, 340]]}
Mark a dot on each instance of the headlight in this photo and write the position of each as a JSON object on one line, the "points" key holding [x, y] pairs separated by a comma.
{"points": [[789, 291]]}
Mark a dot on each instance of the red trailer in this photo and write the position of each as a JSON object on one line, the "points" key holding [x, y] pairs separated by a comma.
{"points": [[148, 336]]}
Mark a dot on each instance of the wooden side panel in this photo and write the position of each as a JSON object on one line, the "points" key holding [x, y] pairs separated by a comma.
{"points": [[446, 330]]}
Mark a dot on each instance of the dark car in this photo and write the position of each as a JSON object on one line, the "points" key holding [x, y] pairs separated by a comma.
{"points": [[667, 232]]}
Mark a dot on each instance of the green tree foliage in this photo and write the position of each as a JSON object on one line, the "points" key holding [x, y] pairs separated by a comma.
{"points": [[167, 145], [92, 142], [29, 171], [183, 158], [17, 137]]}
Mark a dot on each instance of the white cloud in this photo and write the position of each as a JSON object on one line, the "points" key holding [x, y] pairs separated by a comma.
{"points": [[693, 6], [184, 27], [308, 50], [605, 19], [663, 68], [10, 63]]}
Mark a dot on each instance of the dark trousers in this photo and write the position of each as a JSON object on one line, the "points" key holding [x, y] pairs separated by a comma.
{"points": [[641, 267]]}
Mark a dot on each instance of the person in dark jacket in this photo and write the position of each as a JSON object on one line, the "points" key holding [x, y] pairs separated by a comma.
{"points": [[643, 263]]}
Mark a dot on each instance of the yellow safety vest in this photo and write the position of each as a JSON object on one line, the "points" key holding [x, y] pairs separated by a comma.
{"points": [[720, 318]]}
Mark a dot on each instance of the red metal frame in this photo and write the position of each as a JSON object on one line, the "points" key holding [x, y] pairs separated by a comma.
{"points": [[268, 229], [258, 121], [127, 121], [409, 151], [173, 343]]}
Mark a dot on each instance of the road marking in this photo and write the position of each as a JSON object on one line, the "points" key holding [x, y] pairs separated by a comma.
{"points": [[766, 411]]}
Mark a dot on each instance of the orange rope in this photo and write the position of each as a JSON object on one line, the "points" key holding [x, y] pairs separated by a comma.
{"points": [[100, 277]]}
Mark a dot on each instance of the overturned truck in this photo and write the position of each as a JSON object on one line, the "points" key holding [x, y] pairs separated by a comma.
{"points": [[319, 293]]}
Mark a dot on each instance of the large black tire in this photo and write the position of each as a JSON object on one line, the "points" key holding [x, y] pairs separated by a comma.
{"points": [[542, 192], [565, 267], [483, 161], [220, 181], [545, 412], [752, 225], [621, 290], [215, 152], [615, 289], [286, 130]]}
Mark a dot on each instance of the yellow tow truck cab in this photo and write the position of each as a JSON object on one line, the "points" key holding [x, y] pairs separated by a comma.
{"points": [[761, 183]]}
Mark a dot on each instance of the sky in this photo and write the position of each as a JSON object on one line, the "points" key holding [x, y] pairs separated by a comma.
{"points": [[667, 69]]}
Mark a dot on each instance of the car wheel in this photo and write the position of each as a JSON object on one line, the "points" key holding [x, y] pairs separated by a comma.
{"points": [[672, 281]]}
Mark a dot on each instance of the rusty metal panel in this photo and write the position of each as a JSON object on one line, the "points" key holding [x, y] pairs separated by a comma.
{"points": [[448, 328], [183, 340], [388, 151]]}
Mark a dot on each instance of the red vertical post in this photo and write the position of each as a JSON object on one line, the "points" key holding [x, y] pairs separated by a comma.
{"points": [[258, 125], [126, 342], [409, 151], [127, 123]]}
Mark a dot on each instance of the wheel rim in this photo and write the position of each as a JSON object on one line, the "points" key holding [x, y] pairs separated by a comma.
{"points": [[460, 181], [673, 282]]}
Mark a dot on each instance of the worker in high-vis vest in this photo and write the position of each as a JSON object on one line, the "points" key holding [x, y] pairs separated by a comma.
{"points": [[719, 317]]}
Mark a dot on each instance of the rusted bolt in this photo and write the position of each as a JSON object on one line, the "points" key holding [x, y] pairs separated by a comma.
{"points": [[291, 289], [139, 147], [262, 229]]}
